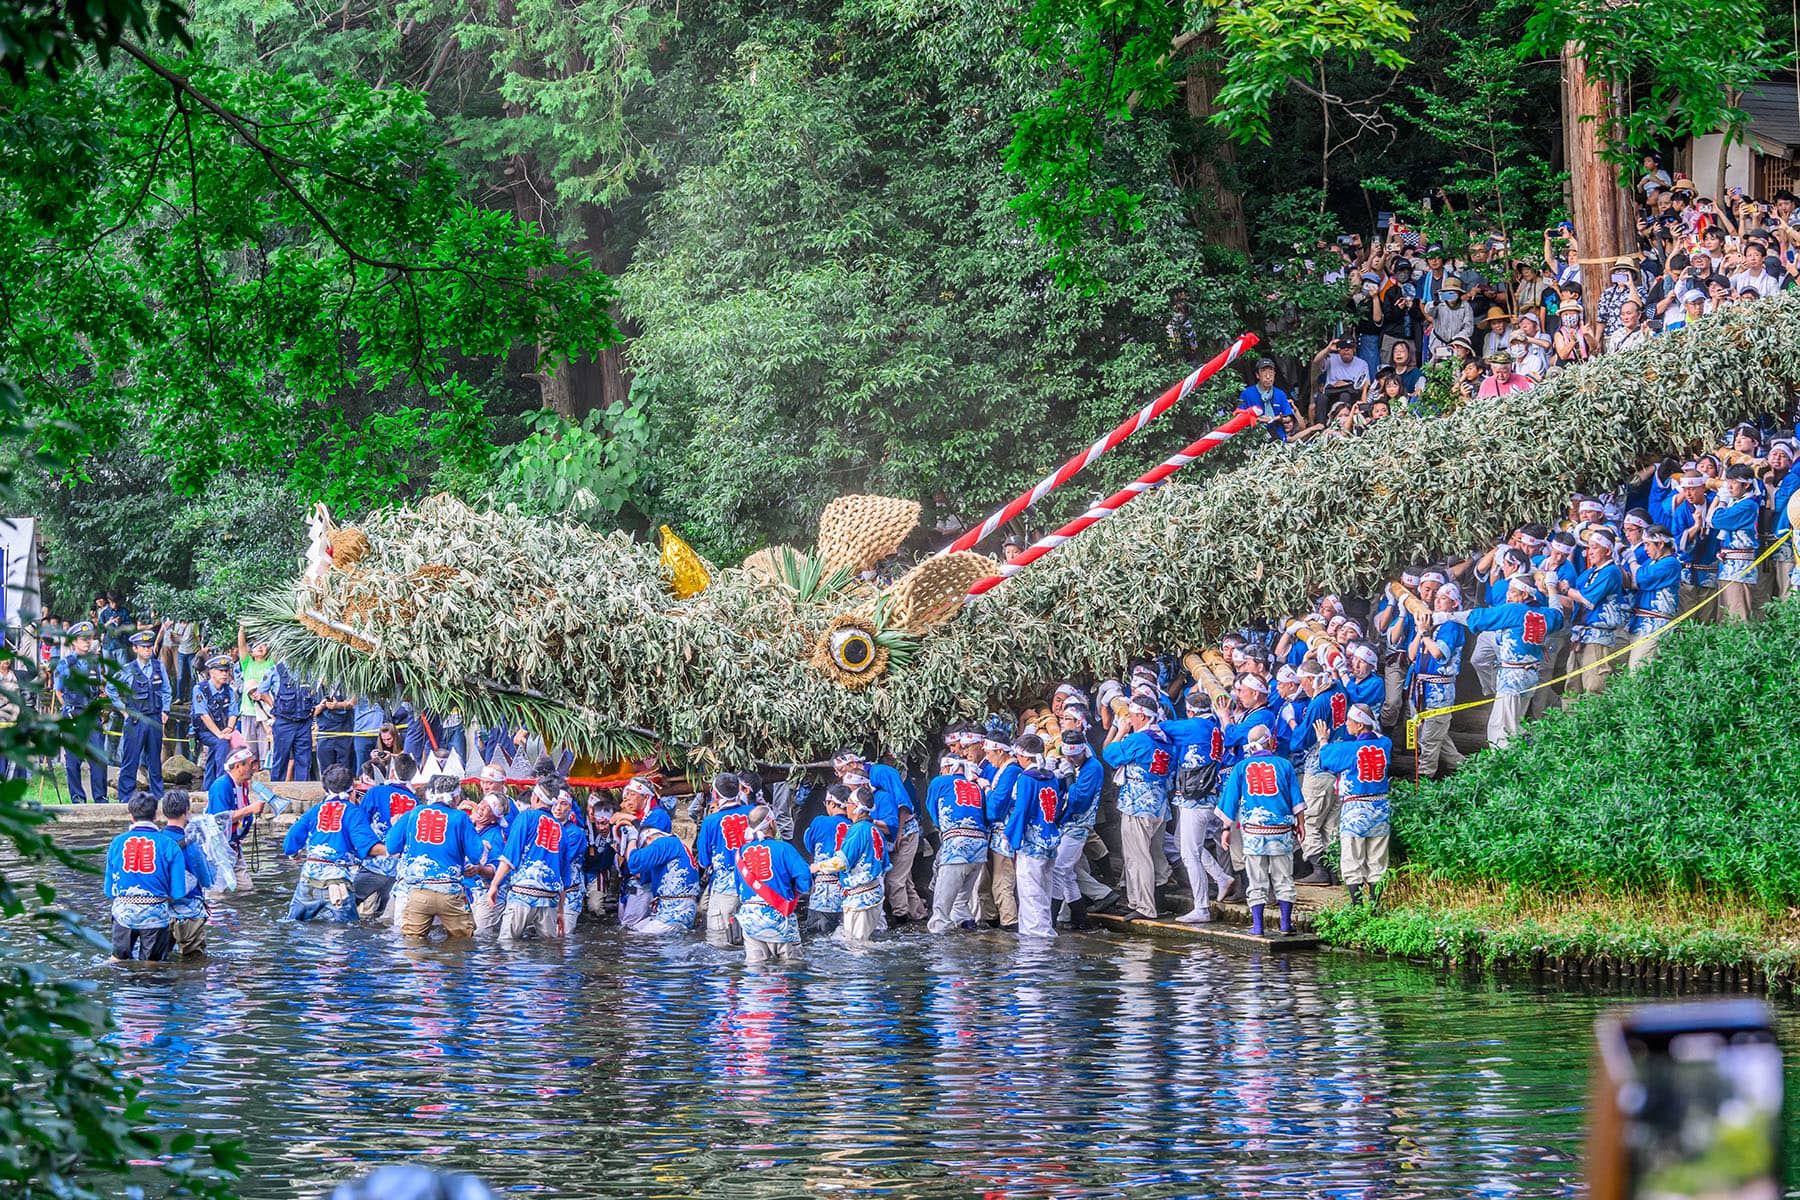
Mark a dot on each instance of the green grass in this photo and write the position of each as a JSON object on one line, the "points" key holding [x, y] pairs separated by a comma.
{"points": [[1425, 916], [1679, 779]]}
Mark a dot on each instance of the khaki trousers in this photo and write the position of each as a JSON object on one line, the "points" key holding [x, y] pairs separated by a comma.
{"points": [[1435, 746], [1735, 602], [1364, 859], [487, 916], [1594, 673], [1319, 791], [1692, 594], [449, 909], [1642, 651], [758, 951], [1395, 679], [903, 897], [1003, 885], [721, 906], [190, 936], [1140, 840]]}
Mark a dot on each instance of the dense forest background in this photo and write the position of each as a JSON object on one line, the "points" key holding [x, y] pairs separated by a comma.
{"points": [[711, 264]]}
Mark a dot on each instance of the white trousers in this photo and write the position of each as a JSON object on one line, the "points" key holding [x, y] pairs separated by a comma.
{"points": [[487, 916], [953, 895], [1071, 852], [520, 922], [1191, 827], [1505, 716], [858, 924], [1034, 895], [1271, 877], [397, 903]]}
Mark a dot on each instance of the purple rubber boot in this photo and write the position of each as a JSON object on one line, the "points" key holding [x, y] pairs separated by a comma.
{"points": [[1256, 911], [1287, 916]]}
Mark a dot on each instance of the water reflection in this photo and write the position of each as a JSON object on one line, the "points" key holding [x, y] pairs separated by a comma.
{"points": [[921, 1067]]}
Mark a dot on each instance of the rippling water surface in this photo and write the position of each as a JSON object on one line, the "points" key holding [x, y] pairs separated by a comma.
{"points": [[611, 1065]]}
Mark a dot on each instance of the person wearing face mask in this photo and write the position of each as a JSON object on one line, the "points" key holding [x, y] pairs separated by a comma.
{"points": [[1572, 341], [1451, 318], [1624, 284]]}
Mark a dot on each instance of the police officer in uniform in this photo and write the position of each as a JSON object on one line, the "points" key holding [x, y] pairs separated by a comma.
{"points": [[215, 709], [337, 718], [292, 704], [77, 673], [143, 691]]}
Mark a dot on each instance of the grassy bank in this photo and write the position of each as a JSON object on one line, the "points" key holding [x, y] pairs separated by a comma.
{"points": [[1647, 831], [1672, 940]]}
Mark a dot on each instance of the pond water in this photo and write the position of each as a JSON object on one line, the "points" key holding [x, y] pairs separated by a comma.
{"points": [[1095, 1066]]}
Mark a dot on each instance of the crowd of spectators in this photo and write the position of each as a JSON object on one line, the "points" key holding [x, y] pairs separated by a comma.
{"points": [[1504, 315]]}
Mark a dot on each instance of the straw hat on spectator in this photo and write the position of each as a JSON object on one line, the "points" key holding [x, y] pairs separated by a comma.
{"points": [[1496, 313]]}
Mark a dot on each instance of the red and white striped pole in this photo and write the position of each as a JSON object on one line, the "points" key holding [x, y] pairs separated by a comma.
{"points": [[1086, 458], [1117, 500]]}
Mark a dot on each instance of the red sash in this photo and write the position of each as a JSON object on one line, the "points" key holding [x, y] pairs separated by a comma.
{"points": [[755, 866]]}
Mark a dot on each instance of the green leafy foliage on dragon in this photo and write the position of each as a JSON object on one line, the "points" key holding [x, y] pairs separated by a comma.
{"points": [[508, 617]]}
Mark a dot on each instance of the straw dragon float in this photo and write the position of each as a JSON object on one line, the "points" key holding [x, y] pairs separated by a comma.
{"points": [[608, 646]]}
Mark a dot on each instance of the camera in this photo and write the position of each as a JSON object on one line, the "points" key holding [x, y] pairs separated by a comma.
{"points": [[1687, 1103], [1346, 240]]}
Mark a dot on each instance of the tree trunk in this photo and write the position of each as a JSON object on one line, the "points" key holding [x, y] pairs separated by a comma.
{"points": [[1215, 156], [1605, 219]]}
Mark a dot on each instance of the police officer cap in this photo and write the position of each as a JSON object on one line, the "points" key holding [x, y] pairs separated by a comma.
{"points": [[85, 629], [142, 638], [1265, 364], [218, 662]]}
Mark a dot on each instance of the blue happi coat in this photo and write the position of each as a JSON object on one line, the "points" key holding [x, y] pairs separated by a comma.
{"points": [[1198, 741], [894, 803], [1237, 733], [998, 806], [1035, 825], [668, 872], [865, 864], [1697, 550], [1604, 588], [1734, 524], [1522, 630], [1658, 596], [958, 805], [1361, 765], [1083, 807], [771, 878], [435, 842], [1331, 706], [823, 839], [534, 847], [721, 835], [1148, 759], [1262, 796], [384, 804], [336, 837], [1435, 677], [141, 870], [187, 900]]}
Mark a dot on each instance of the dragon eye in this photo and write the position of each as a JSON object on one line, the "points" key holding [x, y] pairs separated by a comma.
{"points": [[852, 649], [849, 652]]}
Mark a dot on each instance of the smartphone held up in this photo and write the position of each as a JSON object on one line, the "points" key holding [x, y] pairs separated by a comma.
{"points": [[1687, 1103]]}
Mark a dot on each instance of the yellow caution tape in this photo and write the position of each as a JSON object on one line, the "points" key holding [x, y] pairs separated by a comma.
{"points": [[1413, 722]]}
